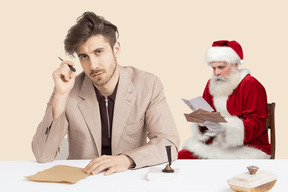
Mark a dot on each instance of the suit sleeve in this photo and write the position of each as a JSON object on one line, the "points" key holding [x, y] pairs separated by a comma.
{"points": [[161, 130], [49, 135]]}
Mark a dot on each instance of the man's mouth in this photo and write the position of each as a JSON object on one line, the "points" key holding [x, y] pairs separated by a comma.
{"points": [[95, 74]]}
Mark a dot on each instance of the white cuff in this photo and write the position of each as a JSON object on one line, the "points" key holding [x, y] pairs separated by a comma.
{"points": [[234, 133]]}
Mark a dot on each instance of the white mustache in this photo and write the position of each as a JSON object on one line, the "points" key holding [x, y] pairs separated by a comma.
{"points": [[219, 78]]}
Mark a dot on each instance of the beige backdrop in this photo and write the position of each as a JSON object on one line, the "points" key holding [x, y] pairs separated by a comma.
{"points": [[167, 38]]}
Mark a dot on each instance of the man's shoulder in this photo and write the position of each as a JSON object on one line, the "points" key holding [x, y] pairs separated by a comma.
{"points": [[78, 83], [250, 82], [249, 79], [136, 74], [79, 78]]}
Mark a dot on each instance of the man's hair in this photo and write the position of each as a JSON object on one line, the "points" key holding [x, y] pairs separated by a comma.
{"points": [[89, 24]]}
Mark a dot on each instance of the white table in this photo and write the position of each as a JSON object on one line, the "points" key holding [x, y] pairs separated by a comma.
{"points": [[195, 175]]}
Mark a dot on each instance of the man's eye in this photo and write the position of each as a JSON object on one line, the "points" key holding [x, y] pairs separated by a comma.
{"points": [[83, 57], [98, 52]]}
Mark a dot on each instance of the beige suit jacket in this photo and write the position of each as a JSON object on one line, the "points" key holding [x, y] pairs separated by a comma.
{"points": [[140, 111]]}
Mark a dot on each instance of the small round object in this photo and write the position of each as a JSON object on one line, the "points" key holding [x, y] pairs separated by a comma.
{"points": [[252, 169]]}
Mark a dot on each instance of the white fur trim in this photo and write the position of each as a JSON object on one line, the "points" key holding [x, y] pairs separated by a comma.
{"points": [[224, 54], [197, 134], [233, 135], [223, 146], [243, 73], [220, 104], [214, 151]]}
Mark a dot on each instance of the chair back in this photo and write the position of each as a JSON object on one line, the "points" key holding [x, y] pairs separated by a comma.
{"points": [[270, 123]]}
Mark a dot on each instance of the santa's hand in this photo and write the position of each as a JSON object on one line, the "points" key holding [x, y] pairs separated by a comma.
{"points": [[213, 127]]}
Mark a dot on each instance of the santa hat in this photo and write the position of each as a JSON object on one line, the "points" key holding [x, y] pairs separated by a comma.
{"points": [[225, 51]]}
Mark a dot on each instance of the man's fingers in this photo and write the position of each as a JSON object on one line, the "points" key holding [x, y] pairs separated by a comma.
{"points": [[89, 166], [72, 75], [110, 171], [93, 161], [98, 168], [97, 165], [110, 163], [65, 73], [67, 62]]}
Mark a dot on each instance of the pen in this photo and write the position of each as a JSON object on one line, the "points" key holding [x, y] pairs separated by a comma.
{"points": [[72, 68]]}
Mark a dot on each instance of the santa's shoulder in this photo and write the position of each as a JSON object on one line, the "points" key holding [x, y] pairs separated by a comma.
{"points": [[250, 82]]}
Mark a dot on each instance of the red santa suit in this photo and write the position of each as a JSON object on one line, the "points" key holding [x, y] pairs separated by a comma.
{"points": [[245, 135]]}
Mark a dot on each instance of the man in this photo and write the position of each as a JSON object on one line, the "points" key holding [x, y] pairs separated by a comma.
{"points": [[108, 111], [241, 99]]}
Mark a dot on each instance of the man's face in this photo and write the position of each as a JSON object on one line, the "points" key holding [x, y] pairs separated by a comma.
{"points": [[98, 59], [222, 69], [225, 79]]}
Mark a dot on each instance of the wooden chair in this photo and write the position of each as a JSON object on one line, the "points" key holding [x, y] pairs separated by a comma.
{"points": [[270, 123]]}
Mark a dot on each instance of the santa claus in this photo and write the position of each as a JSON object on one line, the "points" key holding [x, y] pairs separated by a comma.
{"points": [[241, 99]]}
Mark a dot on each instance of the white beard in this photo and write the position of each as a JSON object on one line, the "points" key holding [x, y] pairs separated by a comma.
{"points": [[223, 87]]}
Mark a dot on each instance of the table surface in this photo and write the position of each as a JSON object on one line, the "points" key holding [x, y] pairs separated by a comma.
{"points": [[194, 175]]}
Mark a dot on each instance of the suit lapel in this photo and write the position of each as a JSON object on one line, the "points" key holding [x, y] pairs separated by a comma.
{"points": [[124, 101], [90, 111]]}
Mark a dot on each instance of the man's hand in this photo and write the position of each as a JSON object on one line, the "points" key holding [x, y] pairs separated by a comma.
{"points": [[64, 80], [114, 164]]}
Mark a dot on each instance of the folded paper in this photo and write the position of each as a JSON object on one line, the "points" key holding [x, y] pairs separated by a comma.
{"points": [[59, 174], [198, 103], [202, 111], [200, 116]]}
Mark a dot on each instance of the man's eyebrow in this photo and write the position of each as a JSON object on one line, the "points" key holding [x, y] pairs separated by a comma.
{"points": [[219, 67], [97, 49], [81, 54]]}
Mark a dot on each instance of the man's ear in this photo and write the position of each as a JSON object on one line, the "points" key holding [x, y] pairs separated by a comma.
{"points": [[116, 49]]}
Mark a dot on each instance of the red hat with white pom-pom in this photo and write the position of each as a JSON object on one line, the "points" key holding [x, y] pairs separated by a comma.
{"points": [[225, 51]]}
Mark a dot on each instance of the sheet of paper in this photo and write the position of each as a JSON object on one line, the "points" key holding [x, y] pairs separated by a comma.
{"points": [[59, 174], [200, 116], [198, 103]]}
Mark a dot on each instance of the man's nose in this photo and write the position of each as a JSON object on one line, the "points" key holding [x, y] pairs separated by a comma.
{"points": [[217, 72], [94, 63]]}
